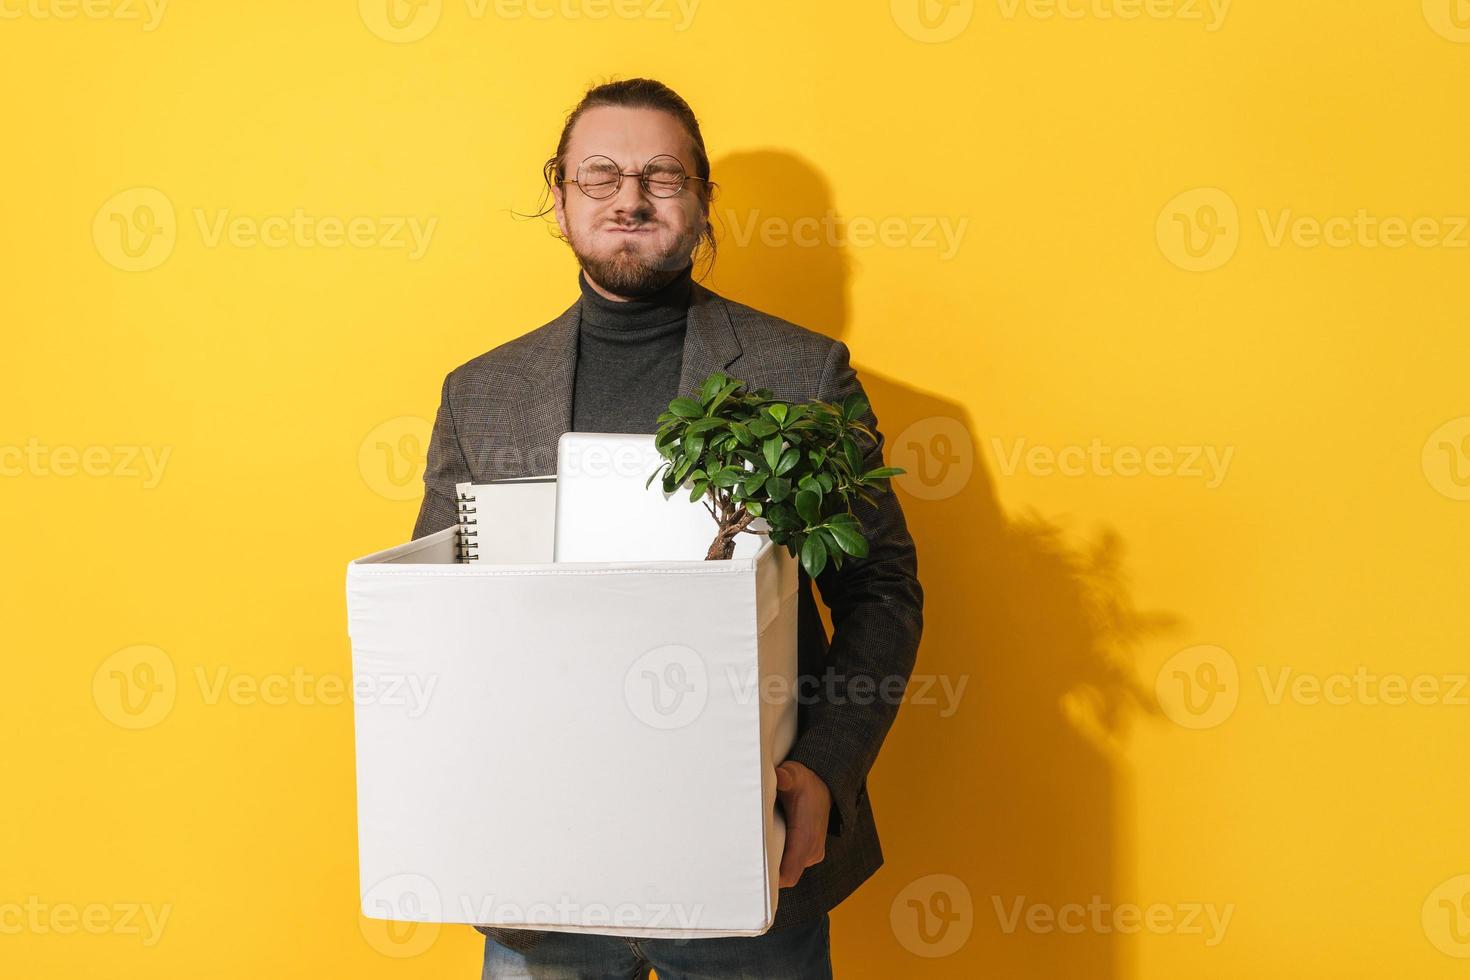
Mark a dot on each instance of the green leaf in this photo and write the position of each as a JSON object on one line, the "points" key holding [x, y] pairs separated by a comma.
{"points": [[702, 425], [850, 450], [848, 537], [725, 392], [778, 488], [884, 472], [754, 506], [743, 433], [778, 412], [753, 484], [762, 427], [853, 406], [699, 490], [772, 450], [694, 445], [833, 550], [788, 459], [710, 386], [686, 408], [813, 555], [809, 506]]}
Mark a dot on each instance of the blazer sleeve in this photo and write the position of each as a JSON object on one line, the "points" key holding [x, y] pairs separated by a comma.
{"points": [[446, 466], [877, 615]]}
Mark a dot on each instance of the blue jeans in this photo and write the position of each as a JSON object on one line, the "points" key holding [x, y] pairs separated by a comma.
{"points": [[800, 952]]}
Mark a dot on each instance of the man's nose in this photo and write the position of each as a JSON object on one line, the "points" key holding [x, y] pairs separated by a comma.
{"points": [[631, 200]]}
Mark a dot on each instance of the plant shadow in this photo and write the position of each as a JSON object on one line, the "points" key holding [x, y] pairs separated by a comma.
{"points": [[1003, 783]]}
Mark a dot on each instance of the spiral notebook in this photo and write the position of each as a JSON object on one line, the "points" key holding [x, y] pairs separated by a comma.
{"points": [[507, 521]]}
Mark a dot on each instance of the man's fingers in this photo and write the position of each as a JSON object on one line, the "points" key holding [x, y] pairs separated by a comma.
{"points": [[804, 845], [792, 864], [799, 853]]}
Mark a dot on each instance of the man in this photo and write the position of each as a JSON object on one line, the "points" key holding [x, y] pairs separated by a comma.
{"points": [[631, 191]]}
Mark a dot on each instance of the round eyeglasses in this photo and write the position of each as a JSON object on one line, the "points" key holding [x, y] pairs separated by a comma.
{"points": [[600, 177]]}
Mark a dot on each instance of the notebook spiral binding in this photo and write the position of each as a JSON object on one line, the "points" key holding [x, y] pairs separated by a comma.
{"points": [[467, 546]]}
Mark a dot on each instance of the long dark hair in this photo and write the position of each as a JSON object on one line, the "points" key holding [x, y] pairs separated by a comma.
{"points": [[640, 93]]}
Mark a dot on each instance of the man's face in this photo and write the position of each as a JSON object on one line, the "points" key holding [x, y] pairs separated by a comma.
{"points": [[631, 243]]}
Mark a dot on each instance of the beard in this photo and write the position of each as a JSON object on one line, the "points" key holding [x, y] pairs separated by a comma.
{"points": [[632, 268]]}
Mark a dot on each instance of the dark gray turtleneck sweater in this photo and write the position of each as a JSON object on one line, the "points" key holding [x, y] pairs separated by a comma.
{"points": [[629, 355]]}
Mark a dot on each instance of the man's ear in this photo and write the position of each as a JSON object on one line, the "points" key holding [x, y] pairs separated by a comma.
{"points": [[558, 201]]}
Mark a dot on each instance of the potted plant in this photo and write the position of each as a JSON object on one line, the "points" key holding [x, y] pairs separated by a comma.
{"points": [[796, 466]]}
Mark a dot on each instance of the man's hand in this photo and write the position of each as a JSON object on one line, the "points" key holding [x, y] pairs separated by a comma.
{"points": [[806, 802]]}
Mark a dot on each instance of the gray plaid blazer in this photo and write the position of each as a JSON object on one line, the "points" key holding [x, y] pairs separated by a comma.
{"points": [[500, 415]]}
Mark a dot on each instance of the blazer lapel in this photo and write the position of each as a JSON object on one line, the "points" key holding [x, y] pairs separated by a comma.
{"points": [[710, 344], [545, 403]]}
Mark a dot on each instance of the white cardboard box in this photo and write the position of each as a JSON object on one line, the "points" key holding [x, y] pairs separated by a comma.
{"points": [[579, 747]]}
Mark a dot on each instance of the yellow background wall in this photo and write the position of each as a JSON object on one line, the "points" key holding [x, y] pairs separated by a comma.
{"points": [[1189, 473]]}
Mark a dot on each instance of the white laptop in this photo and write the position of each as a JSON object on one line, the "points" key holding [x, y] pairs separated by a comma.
{"points": [[604, 512]]}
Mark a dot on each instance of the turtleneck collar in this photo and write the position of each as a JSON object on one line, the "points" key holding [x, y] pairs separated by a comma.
{"points": [[648, 316]]}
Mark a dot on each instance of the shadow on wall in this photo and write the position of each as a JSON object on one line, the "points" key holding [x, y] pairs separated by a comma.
{"points": [[1002, 784]]}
